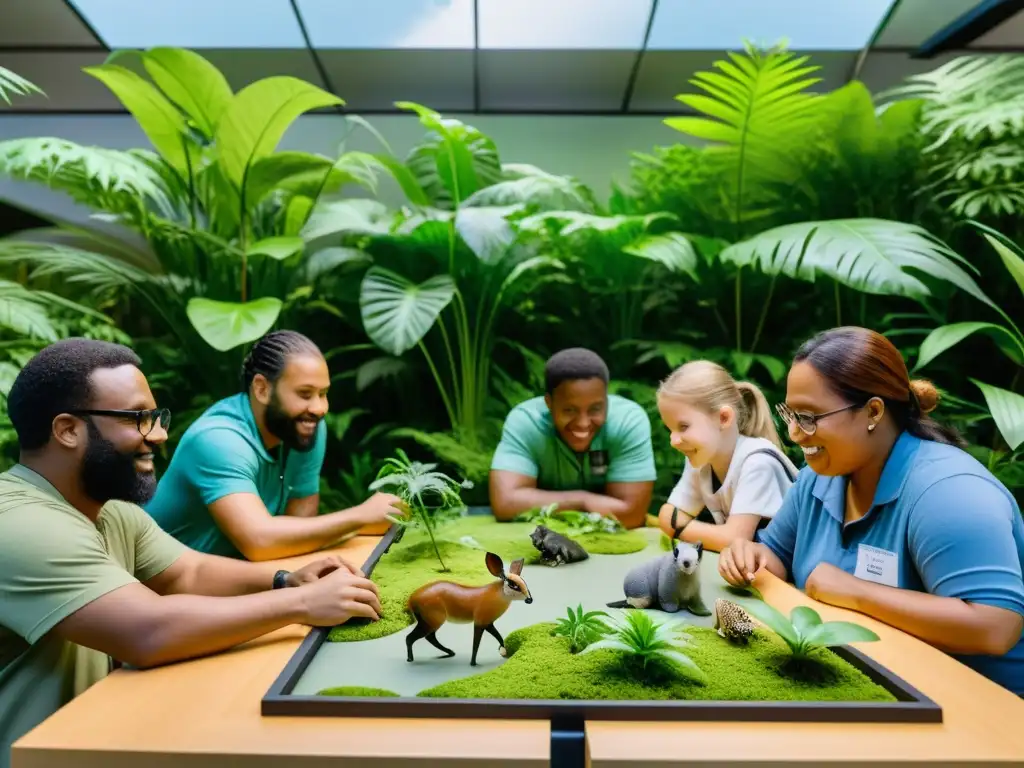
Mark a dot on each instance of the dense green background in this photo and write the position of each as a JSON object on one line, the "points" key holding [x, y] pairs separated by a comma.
{"points": [[781, 211]]}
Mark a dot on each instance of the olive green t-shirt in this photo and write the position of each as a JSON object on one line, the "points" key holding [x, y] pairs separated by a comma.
{"points": [[53, 561]]}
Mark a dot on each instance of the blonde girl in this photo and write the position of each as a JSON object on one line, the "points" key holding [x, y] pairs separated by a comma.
{"points": [[734, 467]]}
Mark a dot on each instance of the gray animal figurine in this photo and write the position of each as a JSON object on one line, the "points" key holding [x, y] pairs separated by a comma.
{"points": [[555, 548], [669, 583]]}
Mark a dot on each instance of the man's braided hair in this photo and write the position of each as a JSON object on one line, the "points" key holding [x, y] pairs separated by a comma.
{"points": [[269, 355]]}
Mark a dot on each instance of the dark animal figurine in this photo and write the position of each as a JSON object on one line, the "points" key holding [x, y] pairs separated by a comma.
{"points": [[669, 582], [555, 548], [439, 601]]}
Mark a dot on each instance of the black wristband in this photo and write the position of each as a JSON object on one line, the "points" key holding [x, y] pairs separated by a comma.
{"points": [[281, 579], [677, 529]]}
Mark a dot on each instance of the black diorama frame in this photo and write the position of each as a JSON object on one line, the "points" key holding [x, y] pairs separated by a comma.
{"points": [[911, 706]]}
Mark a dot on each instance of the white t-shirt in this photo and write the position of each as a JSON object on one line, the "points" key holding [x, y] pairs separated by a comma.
{"points": [[754, 486]]}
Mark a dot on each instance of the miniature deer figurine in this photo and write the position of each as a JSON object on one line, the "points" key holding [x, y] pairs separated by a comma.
{"points": [[439, 601]]}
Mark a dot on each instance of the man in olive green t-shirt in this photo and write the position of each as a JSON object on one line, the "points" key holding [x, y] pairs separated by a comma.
{"points": [[86, 575], [576, 446]]}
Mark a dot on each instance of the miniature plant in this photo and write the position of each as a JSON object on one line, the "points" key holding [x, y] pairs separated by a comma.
{"points": [[571, 522], [804, 631], [638, 635], [581, 628], [430, 496]]}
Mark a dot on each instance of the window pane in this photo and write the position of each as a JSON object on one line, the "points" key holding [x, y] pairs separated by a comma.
{"points": [[563, 24], [388, 24]]}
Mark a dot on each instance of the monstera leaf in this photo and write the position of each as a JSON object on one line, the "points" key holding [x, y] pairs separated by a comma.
{"points": [[398, 313]]}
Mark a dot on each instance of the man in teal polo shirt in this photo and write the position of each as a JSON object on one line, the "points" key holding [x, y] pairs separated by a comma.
{"points": [[576, 446], [244, 480]]}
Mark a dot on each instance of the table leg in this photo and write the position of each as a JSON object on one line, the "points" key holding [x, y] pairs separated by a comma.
{"points": [[568, 743]]}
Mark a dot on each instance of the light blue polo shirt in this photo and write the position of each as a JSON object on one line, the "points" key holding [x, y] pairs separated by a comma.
{"points": [[940, 523], [222, 453]]}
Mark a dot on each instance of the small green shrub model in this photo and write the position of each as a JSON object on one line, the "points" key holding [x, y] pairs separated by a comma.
{"points": [[432, 496], [581, 628], [639, 636], [804, 630]]}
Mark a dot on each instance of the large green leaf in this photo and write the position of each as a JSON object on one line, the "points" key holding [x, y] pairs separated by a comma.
{"points": [[673, 251], [486, 231], [871, 255], [398, 313], [756, 111], [1011, 258], [191, 82], [302, 173], [530, 185], [225, 325], [1007, 409], [257, 117], [346, 217], [839, 633], [280, 247], [158, 118], [947, 336]]}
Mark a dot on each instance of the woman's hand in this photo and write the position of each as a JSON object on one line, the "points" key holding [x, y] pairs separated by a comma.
{"points": [[742, 559]]}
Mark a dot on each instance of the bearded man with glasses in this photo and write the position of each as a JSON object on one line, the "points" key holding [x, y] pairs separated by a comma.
{"points": [[86, 576]]}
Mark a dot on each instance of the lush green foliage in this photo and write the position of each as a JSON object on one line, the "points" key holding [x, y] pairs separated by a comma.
{"points": [[783, 210]]}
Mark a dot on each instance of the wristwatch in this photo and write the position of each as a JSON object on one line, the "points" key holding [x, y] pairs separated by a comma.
{"points": [[281, 579]]}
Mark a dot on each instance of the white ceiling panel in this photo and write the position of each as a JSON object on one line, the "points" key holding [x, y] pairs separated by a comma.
{"points": [[387, 24], [563, 24]]}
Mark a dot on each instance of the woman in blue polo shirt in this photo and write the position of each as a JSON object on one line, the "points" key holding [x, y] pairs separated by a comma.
{"points": [[891, 517]]}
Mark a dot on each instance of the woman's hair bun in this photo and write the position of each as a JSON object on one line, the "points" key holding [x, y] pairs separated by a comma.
{"points": [[926, 393]]}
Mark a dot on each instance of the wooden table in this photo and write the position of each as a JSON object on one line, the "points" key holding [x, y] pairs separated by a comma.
{"points": [[206, 713]]}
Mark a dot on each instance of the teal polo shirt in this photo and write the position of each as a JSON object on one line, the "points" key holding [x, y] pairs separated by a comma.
{"points": [[621, 451], [222, 453], [940, 523]]}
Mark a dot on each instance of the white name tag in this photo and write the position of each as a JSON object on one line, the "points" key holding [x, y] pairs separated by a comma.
{"points": [[878, 565]]}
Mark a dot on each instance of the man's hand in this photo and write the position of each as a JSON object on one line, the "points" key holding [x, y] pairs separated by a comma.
{"points": [[832, 585], [320, 568], [338, 596], [607, 506], [380, 506], [739, 561]]}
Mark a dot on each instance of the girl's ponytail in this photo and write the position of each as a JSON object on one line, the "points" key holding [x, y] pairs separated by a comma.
{"points": [[708, 386], [755, 417]]}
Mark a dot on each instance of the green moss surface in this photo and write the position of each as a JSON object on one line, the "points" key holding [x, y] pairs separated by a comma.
{"points": [[540, 666], [411, 563], [356, 690]]}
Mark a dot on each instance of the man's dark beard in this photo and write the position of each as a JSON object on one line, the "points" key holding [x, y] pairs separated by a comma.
{"points": [[285, 428], [110, 474]]}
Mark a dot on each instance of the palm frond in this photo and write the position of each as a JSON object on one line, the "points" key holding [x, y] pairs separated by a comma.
{"points": [[969, 97], [23, 313], [101, 178], [11, 82]]}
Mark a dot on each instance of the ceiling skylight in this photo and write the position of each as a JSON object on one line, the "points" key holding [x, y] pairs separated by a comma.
{"points": [[388, 24], [807, 25], [563, 24], [193, 23]]}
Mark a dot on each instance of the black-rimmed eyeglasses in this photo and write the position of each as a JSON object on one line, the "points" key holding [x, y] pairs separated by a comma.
{"points": [[808, 422], [144, 420]]}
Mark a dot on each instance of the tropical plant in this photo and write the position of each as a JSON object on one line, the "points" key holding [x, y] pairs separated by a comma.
{"points": [[804, 631], [219, 211], [639, 636], [581, 628], [973, 118], [1005, 405], [431, 497]]}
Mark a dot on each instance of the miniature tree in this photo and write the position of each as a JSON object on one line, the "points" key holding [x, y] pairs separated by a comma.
{"points": [[581, 628], [430, 496]]}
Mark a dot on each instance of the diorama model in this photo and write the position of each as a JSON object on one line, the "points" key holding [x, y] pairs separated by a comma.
{"points": [[615, 615]]}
